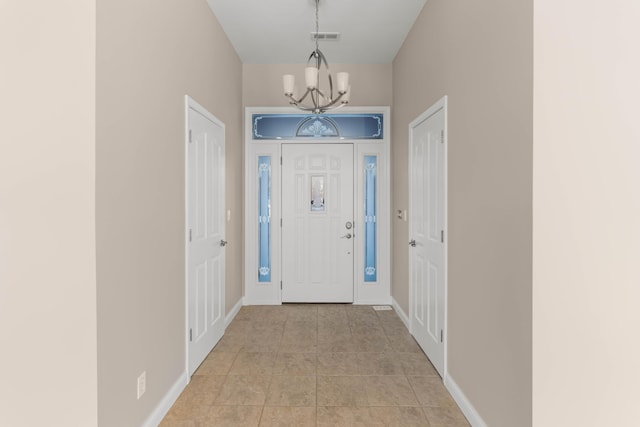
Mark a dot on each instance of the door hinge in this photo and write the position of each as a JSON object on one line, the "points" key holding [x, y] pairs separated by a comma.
{"points": [[190, 234], [190, 139], [280, 222], [442, 236], [280, 160], [441, 335], [280, 284], [190, 334], [442, 136]]}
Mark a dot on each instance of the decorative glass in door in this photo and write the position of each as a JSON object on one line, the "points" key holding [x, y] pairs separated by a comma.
{"points": [[370, 224], [264, 219]]}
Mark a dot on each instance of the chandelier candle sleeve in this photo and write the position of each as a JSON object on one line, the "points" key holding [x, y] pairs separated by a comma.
{"points": [[343, 82], [289, 82], [311, 77]]}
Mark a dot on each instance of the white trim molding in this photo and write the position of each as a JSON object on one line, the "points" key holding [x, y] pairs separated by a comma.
{"points": [[373, 293], [400, 312], [233, 313], [465, 405], [163, 407]]}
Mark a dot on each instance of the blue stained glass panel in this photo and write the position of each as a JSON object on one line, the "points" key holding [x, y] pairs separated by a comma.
{"points": [[370, 228], [264, 219], [314, 126]]}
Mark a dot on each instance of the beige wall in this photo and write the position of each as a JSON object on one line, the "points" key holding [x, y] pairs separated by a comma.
{"points": [[149, 55], [480, 55], [586, 214], [47, 195], [262, 83]]}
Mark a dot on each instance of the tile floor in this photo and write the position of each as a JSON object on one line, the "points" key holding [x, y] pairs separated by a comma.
{"points": [[315, 365]]}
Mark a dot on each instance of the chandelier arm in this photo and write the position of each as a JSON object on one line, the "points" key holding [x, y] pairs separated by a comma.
{"points": [[305, 108], [323, 95], [323, 59], [338, 107], [333, 102], [317, 107], [314, 98], [302, 98], [298, 103]]}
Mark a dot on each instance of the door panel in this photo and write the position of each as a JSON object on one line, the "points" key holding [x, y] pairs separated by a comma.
{"points": [[205, 254], [317, 202], [427, 200]]}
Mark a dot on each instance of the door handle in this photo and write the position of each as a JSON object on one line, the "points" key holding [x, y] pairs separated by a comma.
{"points": [[223, 243], [412, 243], [346, 236]]}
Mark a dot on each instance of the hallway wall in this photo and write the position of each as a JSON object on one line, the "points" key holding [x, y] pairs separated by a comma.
{"points": [[586, 214], [48, 374], [480, 55], [149, 55]]}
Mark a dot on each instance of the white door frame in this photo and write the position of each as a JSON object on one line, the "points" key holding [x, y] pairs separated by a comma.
{"points": [[442, 103], [256, 293], [191, 104]]}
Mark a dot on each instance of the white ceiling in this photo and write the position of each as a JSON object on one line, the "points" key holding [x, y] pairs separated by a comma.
{"points": [[278, 31]]}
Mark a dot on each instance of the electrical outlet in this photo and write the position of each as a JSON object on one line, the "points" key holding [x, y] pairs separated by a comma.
{"points": [[142, 384]]}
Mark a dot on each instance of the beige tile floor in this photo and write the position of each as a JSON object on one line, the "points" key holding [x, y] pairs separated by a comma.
{"points": [[315, 365]]}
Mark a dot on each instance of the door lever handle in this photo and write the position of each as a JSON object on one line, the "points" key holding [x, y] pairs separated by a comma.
{"points": [[223, 243], [346, 236], [412, 243]]}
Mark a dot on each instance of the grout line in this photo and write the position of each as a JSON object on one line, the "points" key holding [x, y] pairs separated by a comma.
{"points": [[353, 319]]}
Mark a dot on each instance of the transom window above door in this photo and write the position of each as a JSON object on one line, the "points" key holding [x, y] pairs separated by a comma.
{"points": [[312, 126]]}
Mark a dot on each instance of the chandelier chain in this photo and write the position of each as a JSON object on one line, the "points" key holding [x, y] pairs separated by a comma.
{"points": [[317, 25]]}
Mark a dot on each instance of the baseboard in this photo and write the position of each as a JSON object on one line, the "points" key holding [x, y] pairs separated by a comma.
{"points": [[232, 314], [380, 301], [167, 401], [248, 301], [465, 406], [401, 314]]}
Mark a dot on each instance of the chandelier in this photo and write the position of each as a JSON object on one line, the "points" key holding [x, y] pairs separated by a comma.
{"points": [[319, 100]]}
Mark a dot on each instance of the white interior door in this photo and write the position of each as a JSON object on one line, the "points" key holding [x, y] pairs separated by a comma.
{"points": [[206, 227], [317, 228], [427, 228]]}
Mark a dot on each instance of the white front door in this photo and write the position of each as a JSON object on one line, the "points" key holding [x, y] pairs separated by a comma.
{"points": [[317, 231], [427, 229], [206, 227]]}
